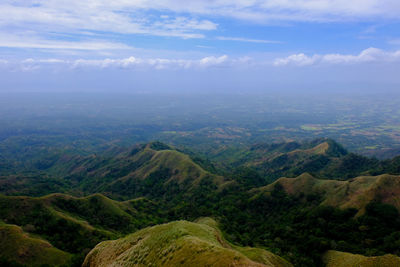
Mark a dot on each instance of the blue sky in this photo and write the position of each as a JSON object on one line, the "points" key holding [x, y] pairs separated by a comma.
{"points": [[220, 44]]}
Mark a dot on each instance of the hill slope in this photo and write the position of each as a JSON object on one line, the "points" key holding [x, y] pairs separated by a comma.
{"points": [[293, 217], [354, 193], [18, 247], [159, 171], [178, 243], [154, 170], [71, 224], [342, 259], [323, 158]]}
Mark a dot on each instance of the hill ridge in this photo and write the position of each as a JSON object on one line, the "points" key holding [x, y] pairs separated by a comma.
{"points": [[354, 193], [178, 243]]}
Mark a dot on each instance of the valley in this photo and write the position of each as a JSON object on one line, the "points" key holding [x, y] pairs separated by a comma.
{"points": [[291, 199], [243, 133]]}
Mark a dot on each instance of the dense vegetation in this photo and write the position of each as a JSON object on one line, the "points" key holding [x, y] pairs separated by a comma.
{"points": [[155, 183], [303, 232]]}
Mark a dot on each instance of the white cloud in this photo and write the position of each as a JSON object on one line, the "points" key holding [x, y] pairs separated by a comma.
{"points": [[186, 24], [61, 24], [297, 59], [134, 63], [238, 39], [123, 17], [35, 42], [51, 60], [213, 61], [367, 55], [266, 10], [370, 55], [136, 16]]}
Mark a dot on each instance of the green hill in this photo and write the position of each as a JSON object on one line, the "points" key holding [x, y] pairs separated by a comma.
{"points": [[159, 171], [298, 218], [164, 173], [323, 158], [354, 193], [18, 247], [179, 243], [153, 169], [75, 225], [342, 259]]}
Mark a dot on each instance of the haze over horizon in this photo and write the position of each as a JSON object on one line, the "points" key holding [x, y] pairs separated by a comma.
{"points": [[199, 46], [200, 133]]}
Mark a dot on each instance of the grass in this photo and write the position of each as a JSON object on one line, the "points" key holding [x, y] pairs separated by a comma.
{"points": [[74, 224], [343, 259], [317, 150], [18, 246], [181, 167], [176, 161], [179, 243], [354, 193]]}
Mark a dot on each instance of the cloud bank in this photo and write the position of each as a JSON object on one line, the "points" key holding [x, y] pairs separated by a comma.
{"points": [[366, 56], [156, 63], [133, 63], [370, 55]]}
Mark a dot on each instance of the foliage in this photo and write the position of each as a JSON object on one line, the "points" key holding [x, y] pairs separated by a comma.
{"points": [[159, 184]]}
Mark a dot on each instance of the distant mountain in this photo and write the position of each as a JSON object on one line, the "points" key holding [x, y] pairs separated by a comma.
{"points": [[354, 193], [296, 199], [179, 243], [152, 169], [158, 170], [323, 158]]}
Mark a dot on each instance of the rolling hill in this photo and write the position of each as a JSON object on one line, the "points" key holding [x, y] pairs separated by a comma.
{"points": [[354, 193], [71, 225], [107, 196], [160, 171], [19, 247], [343, 259], [323, 158], [179, 243], [154, 169]]}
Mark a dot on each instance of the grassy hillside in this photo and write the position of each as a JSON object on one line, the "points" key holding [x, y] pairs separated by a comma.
{"points": [[323, 158], [298, 218], [354, 193], [18, 247], [342, 259], [154, 170], [75, 225], [159, 171], [302, 217], [179, 243], [164, 174]]}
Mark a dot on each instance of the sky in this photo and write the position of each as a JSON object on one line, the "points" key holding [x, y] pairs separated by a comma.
{"points": [[199, 45]]}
